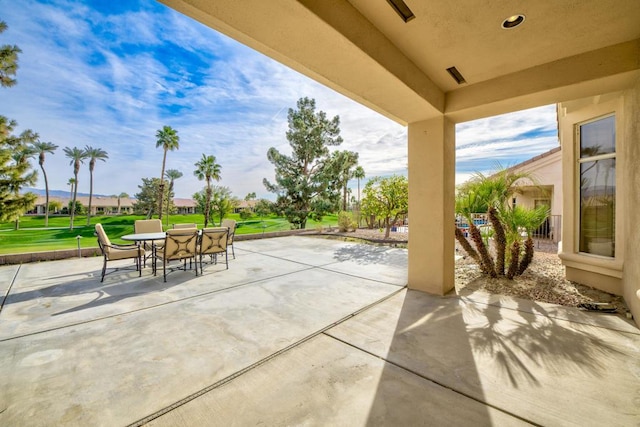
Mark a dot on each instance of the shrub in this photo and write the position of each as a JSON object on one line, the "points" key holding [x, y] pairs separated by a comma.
{"points": [[346, 222]]}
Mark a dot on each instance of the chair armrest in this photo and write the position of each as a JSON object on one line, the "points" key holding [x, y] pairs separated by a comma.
{"points": [[125, 246]]}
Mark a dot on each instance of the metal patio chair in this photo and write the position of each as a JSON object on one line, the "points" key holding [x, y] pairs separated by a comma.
{"points": [[179, 245], [114, 252]]}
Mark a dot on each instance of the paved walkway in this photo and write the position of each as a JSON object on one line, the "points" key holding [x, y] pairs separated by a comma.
{"points": [[300, 331]]}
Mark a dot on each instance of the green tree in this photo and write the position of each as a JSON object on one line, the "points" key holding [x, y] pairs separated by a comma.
{"points": [[93, 154], [42, 148], [147, 197], [21, 156], [263, 208], [79, 210], [55, 206], [386, 199], [168, 139], [171, 175], [303, 182], [8, 61], [13, 175], [77, 157], [207, 169]]}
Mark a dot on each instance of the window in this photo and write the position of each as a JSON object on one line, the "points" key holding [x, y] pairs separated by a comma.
{"points": [[597, 166]]}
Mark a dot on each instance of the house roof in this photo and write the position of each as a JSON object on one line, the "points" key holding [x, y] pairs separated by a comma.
{"points": [[535, 159]]}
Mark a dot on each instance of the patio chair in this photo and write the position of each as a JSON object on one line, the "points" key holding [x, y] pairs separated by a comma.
{"points": [[231, 225], [113, 252], [149, 226], [213, 241], [186, 225], [179, 245]]}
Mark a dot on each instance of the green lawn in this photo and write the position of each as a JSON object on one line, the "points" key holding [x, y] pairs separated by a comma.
{"points": [[33, 237]]}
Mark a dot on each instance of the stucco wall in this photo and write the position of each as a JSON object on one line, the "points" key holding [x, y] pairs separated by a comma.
{"points": [[631, 175], [596, 271]]}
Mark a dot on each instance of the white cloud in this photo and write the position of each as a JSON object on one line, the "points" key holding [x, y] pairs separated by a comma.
{"points": [[112, 80]]}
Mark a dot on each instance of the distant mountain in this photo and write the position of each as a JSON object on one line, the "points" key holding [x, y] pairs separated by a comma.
{"points": [[57, 193]]}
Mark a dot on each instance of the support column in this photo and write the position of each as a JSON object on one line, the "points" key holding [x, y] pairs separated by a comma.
{"points": [[431, 205]]}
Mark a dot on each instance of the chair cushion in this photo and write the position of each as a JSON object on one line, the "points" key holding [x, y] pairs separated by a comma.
{"points": [[115, 253]]}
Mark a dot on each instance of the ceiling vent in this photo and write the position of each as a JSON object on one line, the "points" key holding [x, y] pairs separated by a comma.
{"points": [[402, 9], [453, 71]]}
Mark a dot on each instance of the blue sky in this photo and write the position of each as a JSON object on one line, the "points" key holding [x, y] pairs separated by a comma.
{"points": [[109, 74]]}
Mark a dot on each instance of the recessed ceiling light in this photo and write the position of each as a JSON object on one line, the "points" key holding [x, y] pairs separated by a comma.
{"points": [[512, 21]]}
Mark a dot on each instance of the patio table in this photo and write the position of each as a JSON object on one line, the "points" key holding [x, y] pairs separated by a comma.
{"points": [[142, 238]]}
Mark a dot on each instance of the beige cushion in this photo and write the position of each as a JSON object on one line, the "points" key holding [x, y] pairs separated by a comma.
{"points": [[189, 226], [124, 253], [147, 226]]}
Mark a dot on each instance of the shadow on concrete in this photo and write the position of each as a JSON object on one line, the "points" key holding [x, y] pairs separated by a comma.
{"points": [[368, 254], [514, 364]]}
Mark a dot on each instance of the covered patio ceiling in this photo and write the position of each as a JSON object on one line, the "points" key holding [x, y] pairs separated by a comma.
{"points": [[365, 50]]}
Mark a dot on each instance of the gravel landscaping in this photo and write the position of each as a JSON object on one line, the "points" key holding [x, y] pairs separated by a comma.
{"points": [[543, 281]]}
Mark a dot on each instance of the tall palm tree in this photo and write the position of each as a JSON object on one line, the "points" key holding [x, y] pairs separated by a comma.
{"points": [[77, 156], [71, 183], [41, 148], [121, 196], [93, 154], [168, 139], [172, 175], [358, 174], [207, 169]]}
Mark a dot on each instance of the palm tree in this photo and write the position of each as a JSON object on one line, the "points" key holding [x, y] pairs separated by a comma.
{"points": [[71, 183], [77, 157], [93, 154], [358, 173], [172, 175], [122, 195], [41, 148], [168, 139], [207, 169]]}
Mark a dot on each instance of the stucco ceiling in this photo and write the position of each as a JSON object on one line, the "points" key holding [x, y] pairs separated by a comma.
{"points": [[564, 50], [455, 33]]}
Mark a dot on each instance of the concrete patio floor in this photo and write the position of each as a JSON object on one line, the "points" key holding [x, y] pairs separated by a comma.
{"points": [[300, 331]]}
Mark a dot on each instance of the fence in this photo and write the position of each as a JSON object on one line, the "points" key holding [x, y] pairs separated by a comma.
{"points": [[550, 230]]}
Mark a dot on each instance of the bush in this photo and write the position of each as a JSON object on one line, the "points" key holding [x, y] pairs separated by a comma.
{"points": [[245, 214], [346, 222]]}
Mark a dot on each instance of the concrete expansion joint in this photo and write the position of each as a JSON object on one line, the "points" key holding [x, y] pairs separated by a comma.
{"points": [[431, 380], [260, 362], [6, 294]]}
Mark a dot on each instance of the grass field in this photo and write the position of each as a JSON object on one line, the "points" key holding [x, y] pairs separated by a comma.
{"points": [[33, 237]]}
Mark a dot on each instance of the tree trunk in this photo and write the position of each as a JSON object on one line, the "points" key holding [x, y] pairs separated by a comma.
{"points": [[468, 248], [487, 261], [387, 225], [90, 196], [46, 202], [500, 239], [528, 255], [161, 193], [515, 256], [73, 202]]}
